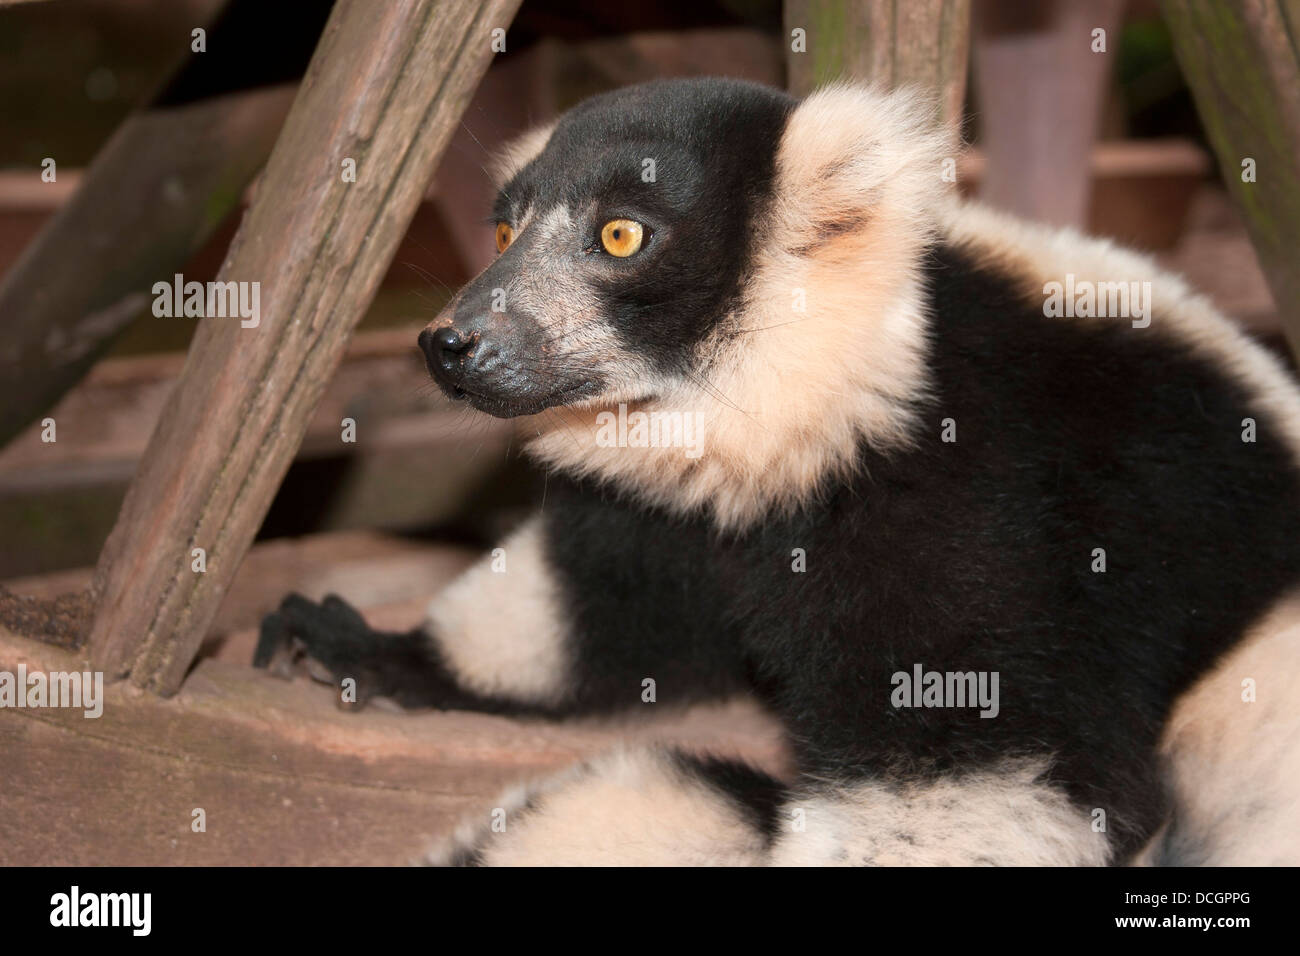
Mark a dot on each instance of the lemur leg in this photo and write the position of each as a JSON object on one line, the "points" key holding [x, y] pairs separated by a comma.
{"points": [[503, 637], [662, 808], [645, 807]]}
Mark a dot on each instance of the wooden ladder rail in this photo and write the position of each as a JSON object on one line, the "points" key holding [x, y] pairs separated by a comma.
{"points": [[1242, 62], [385, 88], [155, 193]]}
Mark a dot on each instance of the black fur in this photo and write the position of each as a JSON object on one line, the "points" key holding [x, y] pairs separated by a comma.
{"points": [[402, 667], [758, 795], [699, 212], [702, 208]]}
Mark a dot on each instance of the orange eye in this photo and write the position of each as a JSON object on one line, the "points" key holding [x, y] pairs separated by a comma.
{"points": [[622, 237], [505, 236]]}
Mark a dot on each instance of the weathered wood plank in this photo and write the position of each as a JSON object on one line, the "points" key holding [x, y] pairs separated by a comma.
{"points": [[105, 423], [416, 461], [284, 776], [366, 568], [921, 43], [155, 193], [1243, 66], [385, 89]]}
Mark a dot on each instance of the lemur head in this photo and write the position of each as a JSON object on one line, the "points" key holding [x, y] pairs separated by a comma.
{"points": [[621, 244], [709, 248]]}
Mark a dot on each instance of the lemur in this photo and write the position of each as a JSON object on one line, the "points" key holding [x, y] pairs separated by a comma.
{"points": [[1101, 510]]}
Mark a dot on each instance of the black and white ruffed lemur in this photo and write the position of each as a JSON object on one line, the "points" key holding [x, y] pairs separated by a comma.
{"points": [[1103, 511]]}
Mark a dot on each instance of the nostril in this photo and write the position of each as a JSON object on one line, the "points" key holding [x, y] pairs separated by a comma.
{"points": [[444, 349], [449, 340]]}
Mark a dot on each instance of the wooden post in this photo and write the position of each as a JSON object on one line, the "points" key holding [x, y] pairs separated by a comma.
{"points": [[385, 90], [921, 43], [1242, 64]]}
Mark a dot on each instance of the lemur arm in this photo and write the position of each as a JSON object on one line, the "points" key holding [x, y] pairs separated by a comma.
{"points": [[501, 638], [337, 644]]}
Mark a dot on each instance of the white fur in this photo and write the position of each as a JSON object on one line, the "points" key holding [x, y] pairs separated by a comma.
{"points": [[503, 633], [639, 808], [997, 818], [1234, 764], [627, 808], [784, 396]]}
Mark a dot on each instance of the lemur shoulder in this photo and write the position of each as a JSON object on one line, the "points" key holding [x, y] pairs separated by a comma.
{"points": [[1101, 510]]}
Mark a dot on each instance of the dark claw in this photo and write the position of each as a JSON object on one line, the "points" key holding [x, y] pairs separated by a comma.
{"points": [[271, 638], [331, 640]]}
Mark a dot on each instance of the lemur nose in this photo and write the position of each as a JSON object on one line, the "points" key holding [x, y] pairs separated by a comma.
{"points": [[443, 348]]}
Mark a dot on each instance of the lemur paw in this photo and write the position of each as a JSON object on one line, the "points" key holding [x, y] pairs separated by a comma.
{"points": [[335, 645], [330, 640]]}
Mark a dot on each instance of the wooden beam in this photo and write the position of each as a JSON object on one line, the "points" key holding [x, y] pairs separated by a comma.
{"points": [[109, 418], [386, 89], [892, 43], [366, 568], [1243, 66], [154, 194], [416, 462]]}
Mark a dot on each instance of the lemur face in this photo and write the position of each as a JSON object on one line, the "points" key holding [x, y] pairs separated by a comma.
{"points": [[622, 243]]}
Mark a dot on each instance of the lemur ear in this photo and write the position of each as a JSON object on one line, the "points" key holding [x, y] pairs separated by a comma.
{"points": [[851, 156], [519, 152]]}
